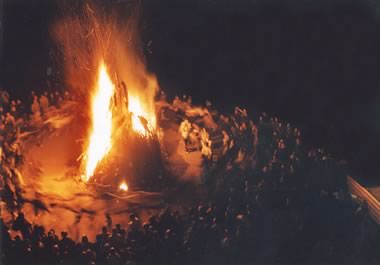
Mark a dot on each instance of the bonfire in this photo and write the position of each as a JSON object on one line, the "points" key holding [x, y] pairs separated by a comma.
{"points": [[119, 144]]}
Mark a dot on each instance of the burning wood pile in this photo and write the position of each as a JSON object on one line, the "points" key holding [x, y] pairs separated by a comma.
{"points": [[115, 116]]}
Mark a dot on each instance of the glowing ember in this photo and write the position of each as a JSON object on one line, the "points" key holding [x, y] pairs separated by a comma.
{"points": [[100, 138], [142, 121], [123, 186]]}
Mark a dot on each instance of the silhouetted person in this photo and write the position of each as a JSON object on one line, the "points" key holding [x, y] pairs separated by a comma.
{"points": [[22, 225]]}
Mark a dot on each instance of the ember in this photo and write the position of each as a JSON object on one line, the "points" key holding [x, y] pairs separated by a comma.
{"points": [[123, 186]]}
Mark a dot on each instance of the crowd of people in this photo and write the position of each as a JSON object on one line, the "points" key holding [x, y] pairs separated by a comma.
{"points": [[17, 120], [291, 207]]}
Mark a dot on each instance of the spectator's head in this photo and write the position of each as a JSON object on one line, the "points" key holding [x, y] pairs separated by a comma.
{"points": [[84, 239], [146, 227], [20, 215], [112, 250], [132, 217], [64, 234], [107, 246], [55, 250]]}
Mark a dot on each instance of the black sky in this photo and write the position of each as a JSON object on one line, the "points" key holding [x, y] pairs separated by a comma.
{"points": [[313, 63]]}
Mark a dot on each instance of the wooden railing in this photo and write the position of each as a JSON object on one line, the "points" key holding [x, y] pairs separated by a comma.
{"points": [[373, 204]]}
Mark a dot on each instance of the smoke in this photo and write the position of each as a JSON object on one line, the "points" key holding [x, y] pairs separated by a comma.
{"points": [[88, 34]]}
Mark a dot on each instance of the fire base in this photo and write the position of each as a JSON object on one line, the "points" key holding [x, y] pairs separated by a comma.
{"points": [[136, 161]]}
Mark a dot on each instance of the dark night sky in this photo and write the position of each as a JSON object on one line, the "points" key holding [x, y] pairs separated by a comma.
{"points": [[314, 63]]}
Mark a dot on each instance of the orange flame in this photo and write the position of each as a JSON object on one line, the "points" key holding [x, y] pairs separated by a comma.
{"points": [[100, 140], [143, 122], [123, 186]]}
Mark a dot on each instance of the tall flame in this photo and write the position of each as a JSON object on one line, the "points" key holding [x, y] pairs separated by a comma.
{"points": [[100, 140], [114, 107]]}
